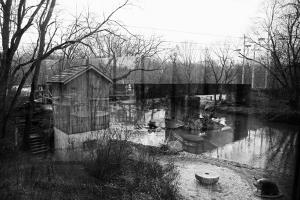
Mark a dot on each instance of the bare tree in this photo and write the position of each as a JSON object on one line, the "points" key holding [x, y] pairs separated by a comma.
{"points": [[142, 48], [279, 37], [216, 72], [16, 19], [112, 46], [222, 68], [187, 59]]}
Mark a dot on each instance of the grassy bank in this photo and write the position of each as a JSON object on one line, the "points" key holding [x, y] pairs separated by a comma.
{"points": [[116, 170], [265, 107]]}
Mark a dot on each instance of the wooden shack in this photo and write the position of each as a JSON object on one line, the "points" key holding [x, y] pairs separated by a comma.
{"points": [[80, 99]]}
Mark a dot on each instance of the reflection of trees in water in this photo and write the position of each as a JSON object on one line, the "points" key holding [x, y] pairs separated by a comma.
{"points": [[240, 127], [281, 149]]}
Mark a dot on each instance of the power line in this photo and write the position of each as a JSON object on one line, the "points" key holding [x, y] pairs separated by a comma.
{"points": [[180, 31]]}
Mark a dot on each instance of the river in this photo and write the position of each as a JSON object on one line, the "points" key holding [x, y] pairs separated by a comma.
{"points": [[243, 139]]}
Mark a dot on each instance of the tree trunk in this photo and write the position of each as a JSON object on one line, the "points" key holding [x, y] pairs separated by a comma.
{"points": [[5, 63], [3, 120], [42, 33]]}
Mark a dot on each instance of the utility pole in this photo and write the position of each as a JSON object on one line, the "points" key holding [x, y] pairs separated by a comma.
{"points": [[253, 68], [268, 65], [243, 65]]}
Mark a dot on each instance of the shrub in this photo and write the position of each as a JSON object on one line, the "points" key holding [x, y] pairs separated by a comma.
{"points": [[7, 148], [109, 160], [138, 176], [160, 182], [112, 152]]}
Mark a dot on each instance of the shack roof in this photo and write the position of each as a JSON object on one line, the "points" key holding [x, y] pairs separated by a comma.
{"points": [[73, 72]]}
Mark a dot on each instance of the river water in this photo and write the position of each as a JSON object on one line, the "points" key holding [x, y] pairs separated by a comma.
{"points": [[242, 139]]}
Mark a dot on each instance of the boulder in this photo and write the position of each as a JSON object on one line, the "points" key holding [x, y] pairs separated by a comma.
{"points": [[175, 146]]}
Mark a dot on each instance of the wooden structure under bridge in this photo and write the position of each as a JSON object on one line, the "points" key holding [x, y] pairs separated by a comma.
{"points": [[80, 99]]}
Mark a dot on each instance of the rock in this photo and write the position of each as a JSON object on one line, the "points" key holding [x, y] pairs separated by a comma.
{"points": [[266, 187], [207, 177], [175, 146], [209, 107]]}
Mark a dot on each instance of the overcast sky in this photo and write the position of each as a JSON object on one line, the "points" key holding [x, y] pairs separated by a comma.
{"points": [[201, 21]]}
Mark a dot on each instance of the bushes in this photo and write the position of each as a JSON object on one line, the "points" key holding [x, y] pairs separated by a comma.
{"points": [[109, 160], [7, 148], [160, 182], [137, 174]]}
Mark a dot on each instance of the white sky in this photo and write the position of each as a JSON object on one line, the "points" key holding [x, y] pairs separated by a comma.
{"points": [[201, 21]]}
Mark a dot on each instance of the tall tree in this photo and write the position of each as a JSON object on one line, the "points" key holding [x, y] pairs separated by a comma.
{"points": [[221, 68], [280, 31], [16, 19]]}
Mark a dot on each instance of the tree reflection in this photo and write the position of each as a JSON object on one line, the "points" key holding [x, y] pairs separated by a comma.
{"points": [[282, 150]]}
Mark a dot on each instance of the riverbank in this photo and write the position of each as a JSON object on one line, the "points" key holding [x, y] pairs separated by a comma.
{"points": [[236, 179], [31, 177], [118, 171]]}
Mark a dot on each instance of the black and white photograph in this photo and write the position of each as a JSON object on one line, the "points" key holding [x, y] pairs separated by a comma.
{"points": [[149, 99]]}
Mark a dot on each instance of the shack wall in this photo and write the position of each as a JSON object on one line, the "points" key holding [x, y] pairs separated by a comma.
{"points": [[83, 104]]}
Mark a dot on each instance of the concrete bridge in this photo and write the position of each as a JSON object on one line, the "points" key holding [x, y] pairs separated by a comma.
{"points": [[239, 93]]}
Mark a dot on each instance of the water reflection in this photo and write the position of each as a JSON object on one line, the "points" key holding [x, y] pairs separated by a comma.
{"points": [[243, 139]]}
